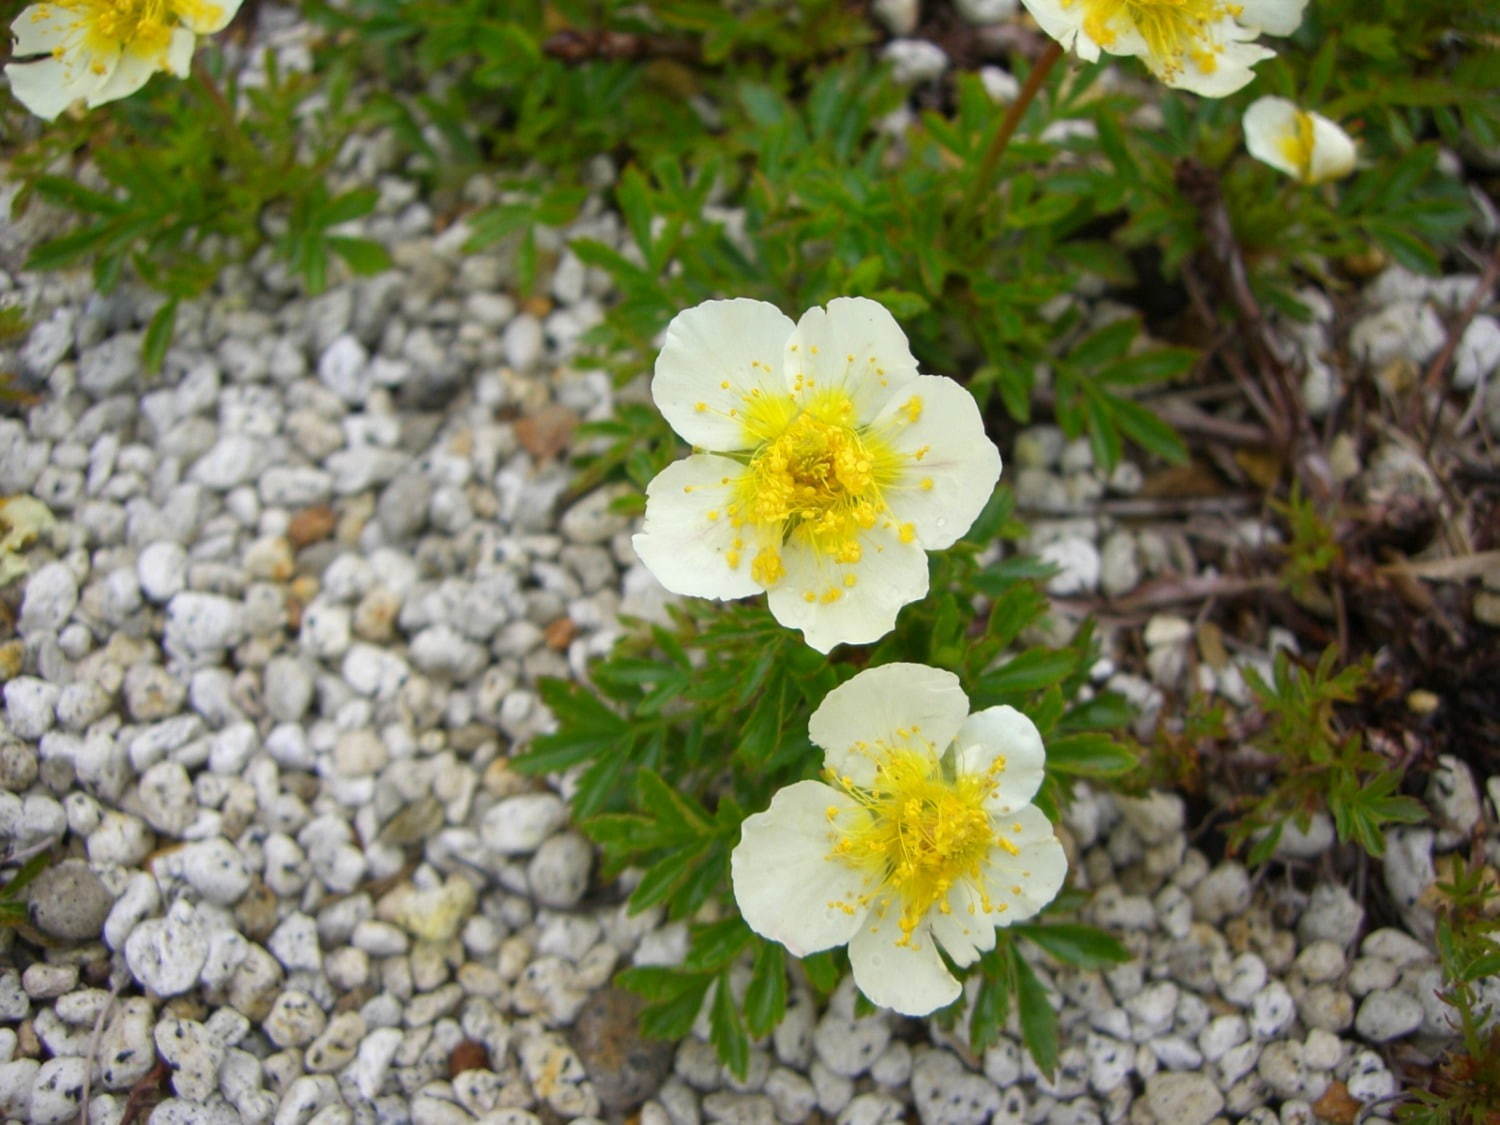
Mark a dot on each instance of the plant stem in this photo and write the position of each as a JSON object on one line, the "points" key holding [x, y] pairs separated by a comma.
{"points": [[232, 126], [981, 184]]}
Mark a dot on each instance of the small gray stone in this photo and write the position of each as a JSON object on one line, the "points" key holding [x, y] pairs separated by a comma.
{"points": [[625, 1067], [162, 570], [1077, 562], [559, 872], [1387, 1014], [519, 824], [288, 688], [57, 1090], [1223, 893], [914, 60], [1453, 796], [948, 1094], [1333, 915], [68, 901], [295, 1019], [402, 509], [344, 368], [109, 366], [193, 1054], [30, 706], [1183, 1098], [51, 595], [166, 954]]}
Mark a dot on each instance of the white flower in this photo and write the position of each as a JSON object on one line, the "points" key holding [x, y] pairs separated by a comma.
{"points": [[1200, 45], [1306, 146], [922, 836], [100, 50], [827, 467]]}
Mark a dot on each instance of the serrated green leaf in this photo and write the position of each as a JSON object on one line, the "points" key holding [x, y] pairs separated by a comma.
{"points": [[364, 256], [822, 970], [159, 336], [1031, 670], [1089, 755], [1038, 1020], [714, 944], [1081, 946], [726, 1030], [765, 996], [349, 205], [672, 1019]]}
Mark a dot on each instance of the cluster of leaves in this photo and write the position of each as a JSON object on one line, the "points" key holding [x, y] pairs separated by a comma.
{"points": [[189, 185], [1465, 1089], [1319, 762], [690, 727]]}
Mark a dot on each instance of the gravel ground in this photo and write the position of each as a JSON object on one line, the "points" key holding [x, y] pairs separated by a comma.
{"points": [[268, 667]]}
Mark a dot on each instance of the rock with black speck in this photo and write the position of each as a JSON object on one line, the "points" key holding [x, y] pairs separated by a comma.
{"points": [[625, 1067]]}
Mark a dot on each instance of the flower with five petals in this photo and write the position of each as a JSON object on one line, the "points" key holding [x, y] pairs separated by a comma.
{"points": [[921, 835], [826, 466], [101, 50]]}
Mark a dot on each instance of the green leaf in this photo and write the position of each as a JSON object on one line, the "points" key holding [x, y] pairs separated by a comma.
{"points": [[364, 256], [674, 1018], [1089, 755], [159, 336], [715, 944], [655, 982], [663, 877], [991, 1006], [1081, 946], [350, 205], [822, 970], [1029, 671], [1109, 343], [681, 815], [1038, 1020], [726, 1030], [765, 996]]}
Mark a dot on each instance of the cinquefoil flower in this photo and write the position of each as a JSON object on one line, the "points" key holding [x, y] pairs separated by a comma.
{"points": [[100, 50], [827, 467], [1200, 45], [921, 835], [1306, 146]]}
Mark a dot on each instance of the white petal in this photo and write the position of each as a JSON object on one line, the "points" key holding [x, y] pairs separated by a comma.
{"points": [[1228, 69], [128, 76], [739, 343], [854, 345], [787, 887], [965, 931], [1002, 731], [1274, 17], [1064, 22], [1025, 882], [179, 57], [687, 551], [48, 86], [911, 979], [889, 574], [878, 702], [206, 16], [1333, 151], [942, 492], [1269, 123], [42, 28]]}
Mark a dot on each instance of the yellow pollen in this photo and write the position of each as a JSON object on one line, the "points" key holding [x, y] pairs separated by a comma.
{"points": [[713, 514], [926, 484], [907, 532], [912, 408], [850, 580], [1297, 146], [733, 559], [141, 28], [766, 568], [700, 407], [831, 595], [919, 830], [814, 479], [809, 596], [1175, 31], [921, 452], [1007, 846]]}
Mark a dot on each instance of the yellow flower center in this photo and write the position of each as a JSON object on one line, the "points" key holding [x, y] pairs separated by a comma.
{"points": [[1174, 30], [1297, 146], [917, 831], [141, 27], [814, 478]]}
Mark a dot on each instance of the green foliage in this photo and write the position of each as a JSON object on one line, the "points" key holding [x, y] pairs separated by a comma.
{"points": [[1465, 1090], [188, 184], [1318, 763], [1313, 547]]}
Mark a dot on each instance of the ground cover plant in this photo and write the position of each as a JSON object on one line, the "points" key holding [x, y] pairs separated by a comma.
{"points": [[849, 282]]}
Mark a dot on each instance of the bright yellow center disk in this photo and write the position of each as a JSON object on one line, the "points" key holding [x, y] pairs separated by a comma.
{"points": [[814, 478], [918, 832], [1174, 30]]}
